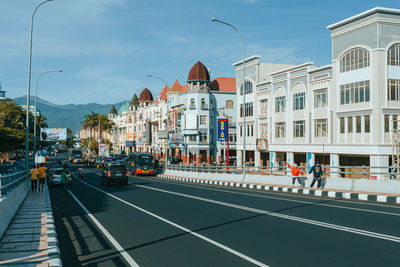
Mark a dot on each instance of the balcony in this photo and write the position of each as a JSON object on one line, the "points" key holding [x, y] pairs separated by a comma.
{"points": [[192, 106], [204, 107]]}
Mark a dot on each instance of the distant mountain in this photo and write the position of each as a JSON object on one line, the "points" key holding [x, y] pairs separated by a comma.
{"points": [[67, 116]]}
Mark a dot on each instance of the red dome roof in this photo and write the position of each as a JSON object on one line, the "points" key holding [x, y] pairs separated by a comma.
{"points": [[145, 95], [198, 73]]}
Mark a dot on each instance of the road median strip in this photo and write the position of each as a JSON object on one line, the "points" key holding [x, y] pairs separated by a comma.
{"points": [[364, 196]]}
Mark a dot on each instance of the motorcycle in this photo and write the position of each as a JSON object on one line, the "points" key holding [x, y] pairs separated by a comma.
{"points": [[80, 173]]}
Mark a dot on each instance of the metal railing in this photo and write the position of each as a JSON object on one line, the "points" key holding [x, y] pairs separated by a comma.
{"points": [[9, 182], [353, 172]]}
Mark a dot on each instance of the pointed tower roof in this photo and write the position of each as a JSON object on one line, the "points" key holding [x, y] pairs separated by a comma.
{"points": [[113, 110], [146, 95], [176, 86], [163, 94], [134, 101]]}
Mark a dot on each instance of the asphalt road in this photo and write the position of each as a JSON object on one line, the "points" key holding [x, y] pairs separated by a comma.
{"points": [[152, 222]]}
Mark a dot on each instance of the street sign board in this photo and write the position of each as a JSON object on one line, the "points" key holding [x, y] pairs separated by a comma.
{"points": [[222, 130]]}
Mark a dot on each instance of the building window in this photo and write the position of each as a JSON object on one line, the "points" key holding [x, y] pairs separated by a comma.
{"points": [[203, 137], [354, 59], [280, 129], [298, 129], [342, 125], [349, 124], [387, 117], [248, 108], [393, 90], [241, 131], [248, 130], [229, 104], [248, 88], [321, 128], [320, 98], [252, 132], [280, 104], [203, 120], [393, 55], [299, 101], [366, 124], [263, 106], [358, 124], [232, 137], [354, 93], [264, 130]]}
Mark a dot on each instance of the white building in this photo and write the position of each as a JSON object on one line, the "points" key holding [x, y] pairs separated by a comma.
{"points": [[341, 114]]}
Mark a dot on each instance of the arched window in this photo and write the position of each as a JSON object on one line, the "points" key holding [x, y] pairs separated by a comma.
{"points": [[192, 101], [203, 101], [229, 104], [299, 96], [356, 58], [248, 88], [393, 55]]}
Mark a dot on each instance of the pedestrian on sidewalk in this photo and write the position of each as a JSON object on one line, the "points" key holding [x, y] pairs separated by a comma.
{"points": [[296, 171], [317, 174], [42, 176], [34, 177]]}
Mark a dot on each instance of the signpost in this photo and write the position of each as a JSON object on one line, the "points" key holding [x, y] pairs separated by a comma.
{"points": [[223, 135]]}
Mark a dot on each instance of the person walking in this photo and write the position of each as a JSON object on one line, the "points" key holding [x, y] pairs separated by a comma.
{"points": [[296, 171], [34, 177], [317, 174], [42, 176]]}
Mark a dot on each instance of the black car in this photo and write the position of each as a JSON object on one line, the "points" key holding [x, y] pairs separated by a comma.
{"points": [[232, 161], [174, 160], [115, 173]]}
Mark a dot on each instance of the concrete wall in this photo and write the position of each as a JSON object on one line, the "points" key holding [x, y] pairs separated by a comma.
{"points": [[359, 185], [10, 204]]}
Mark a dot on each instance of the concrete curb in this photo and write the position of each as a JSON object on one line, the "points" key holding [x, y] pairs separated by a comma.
{"points": [[304, 191], [52, 241]]}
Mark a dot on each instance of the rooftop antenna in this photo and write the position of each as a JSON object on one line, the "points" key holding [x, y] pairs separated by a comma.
{"points": [[211, 73]]}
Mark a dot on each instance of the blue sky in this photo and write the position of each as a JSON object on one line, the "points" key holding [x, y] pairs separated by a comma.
{"points": [[106, 48]]}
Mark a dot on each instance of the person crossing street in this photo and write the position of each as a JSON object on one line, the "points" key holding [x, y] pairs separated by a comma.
{"points": [[296, 171], [317, 174]]}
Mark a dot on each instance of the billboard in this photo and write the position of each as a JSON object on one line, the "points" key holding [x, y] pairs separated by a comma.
{"points": [[103, 150], [222, 130], [53, 134], [262, 144]]}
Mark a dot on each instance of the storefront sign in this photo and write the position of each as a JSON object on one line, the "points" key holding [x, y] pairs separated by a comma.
{"points": [[262, 144]]}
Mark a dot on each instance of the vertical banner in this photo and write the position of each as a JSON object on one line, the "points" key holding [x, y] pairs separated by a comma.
{"points": [[271, 158], [310, 162], [222, 130]]}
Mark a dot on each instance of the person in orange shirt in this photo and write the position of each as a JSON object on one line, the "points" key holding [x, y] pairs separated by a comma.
{"points": [[42, 176], [296, 171], [34, 177]]}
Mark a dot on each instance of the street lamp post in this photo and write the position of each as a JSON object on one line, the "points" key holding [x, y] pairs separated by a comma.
{"points": [[244, 95], [167, 148], [28, 95], [35, 114]]}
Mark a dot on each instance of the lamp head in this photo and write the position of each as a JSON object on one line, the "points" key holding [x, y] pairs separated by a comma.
{"points": [[213, 19], [59, 70]]}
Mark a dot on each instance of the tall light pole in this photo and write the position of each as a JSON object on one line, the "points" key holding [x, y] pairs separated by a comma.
{"points": [[167, 148], [244, 96], [28, 95], [35, 114]]}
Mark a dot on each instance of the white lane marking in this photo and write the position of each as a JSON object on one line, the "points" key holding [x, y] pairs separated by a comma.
{"points": [[235, 252], [120, 249], [283, 216], [284, 199]]}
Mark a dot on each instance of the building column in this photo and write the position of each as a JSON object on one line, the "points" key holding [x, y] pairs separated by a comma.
{"points": [[290, 160], [272, 159], [239, 157], [362, 129], [208, 156], [257, 156], [379, 160], [334, 162]]}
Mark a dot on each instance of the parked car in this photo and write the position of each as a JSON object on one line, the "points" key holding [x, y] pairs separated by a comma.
{"points": [[174, 160], [232, 161], [55, 177], [115, 173]]}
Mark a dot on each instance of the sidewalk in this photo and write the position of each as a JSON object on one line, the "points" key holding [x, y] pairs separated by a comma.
{"points": [[345, 194], [31, 239]]}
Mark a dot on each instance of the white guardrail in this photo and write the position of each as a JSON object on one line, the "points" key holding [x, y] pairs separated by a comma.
{"points": [[355, 172], [9, 182]]}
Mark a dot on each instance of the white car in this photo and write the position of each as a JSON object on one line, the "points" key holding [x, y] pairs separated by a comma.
{"points": [[55, 177]]}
